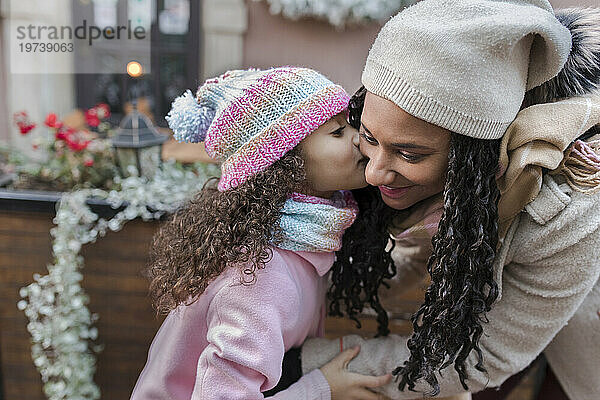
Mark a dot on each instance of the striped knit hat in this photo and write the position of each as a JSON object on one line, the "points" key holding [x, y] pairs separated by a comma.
{"points": [[248, 119]]}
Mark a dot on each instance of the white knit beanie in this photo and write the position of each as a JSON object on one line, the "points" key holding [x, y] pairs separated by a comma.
{"points": [[465, 65]]}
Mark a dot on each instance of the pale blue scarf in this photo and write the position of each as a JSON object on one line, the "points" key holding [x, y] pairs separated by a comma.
{"points": [[315, 224]]}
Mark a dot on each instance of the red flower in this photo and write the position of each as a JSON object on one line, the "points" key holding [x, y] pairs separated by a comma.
{"points": [[77, 145], [102, 110], [60, 135], [21, 119], [91, 117], [26, 128], [64, 134], [88, 162], [52, 121]]}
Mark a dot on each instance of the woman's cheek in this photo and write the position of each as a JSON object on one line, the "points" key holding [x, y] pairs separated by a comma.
{"points": [[425, 174], [418, 174]]}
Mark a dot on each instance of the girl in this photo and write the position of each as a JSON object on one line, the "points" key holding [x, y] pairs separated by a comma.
{"points": [[241, 268], [480, 121]]}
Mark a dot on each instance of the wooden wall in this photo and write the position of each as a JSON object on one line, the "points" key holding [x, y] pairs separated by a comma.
{"points": [[118, 293]]}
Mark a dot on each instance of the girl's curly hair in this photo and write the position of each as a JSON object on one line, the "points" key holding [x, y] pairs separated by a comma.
{"points": [[364, 262], [448, 325], [219, 229]]}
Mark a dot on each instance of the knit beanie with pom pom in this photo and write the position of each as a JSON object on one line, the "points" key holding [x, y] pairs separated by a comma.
{"points": [[248, 119], [465, 65]]}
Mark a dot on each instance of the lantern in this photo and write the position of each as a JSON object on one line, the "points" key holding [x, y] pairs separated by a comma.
{"points": [[137, 143]]}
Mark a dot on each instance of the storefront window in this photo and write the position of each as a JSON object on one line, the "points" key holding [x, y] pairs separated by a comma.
{"points": [[175, 29]]}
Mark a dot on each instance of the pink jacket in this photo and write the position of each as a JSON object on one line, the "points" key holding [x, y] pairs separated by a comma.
{"points": [[230, 343]]}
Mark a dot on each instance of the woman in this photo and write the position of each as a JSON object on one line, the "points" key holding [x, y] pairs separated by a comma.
{"points": [[479, 117]]}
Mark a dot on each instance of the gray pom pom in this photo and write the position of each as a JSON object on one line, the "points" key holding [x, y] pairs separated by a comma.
{"points": [[188, 119], [581, 73]]}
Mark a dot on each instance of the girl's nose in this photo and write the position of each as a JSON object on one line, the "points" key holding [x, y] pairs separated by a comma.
{"points": [[378, 172]]}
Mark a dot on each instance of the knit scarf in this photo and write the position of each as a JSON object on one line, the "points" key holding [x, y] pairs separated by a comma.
{"points": [[542, 136], [315, 224]]}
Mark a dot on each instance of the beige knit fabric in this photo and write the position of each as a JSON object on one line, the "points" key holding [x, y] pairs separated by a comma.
{"points": [[537, 139], [547, 269], [465, 65]]}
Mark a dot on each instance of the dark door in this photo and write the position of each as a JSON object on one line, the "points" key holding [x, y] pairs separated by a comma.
{"points": [[175, 57]]}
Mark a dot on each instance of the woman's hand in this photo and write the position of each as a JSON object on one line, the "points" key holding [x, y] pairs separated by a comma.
{"points": [[345, 385]]}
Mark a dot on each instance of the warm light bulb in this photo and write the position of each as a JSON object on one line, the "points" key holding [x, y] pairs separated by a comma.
{"points": [[134, 69]]}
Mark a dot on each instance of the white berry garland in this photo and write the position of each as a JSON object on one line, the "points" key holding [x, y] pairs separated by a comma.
{"points": [[60, 324], [339, 12]]}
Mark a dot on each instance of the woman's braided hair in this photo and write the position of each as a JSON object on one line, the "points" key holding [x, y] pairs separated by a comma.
{"points": [[363, 263], [448, 325]]}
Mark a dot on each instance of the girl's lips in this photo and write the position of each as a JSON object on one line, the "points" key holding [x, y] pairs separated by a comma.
{"points": [[393, 193]]}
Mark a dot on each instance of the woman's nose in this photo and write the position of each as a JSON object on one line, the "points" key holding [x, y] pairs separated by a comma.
{"points": [[378, 171]]}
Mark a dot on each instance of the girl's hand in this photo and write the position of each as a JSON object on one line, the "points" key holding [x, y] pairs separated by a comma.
{"points": [[345, 385]]}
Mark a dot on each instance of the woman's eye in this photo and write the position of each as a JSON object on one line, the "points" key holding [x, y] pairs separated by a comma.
{"points": [[411, 157], [369, 139]]}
